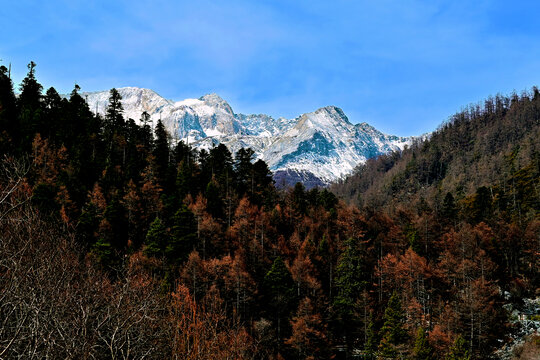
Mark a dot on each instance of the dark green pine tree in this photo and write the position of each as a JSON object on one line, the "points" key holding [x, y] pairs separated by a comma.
{"points": [[220, 162], [219, 169], [449, 209], [262, 192], [82, 123], [147, 139], [372, 340], [53, 115], [393, 334], [162, 155], [115, 111], [8, 111], [412, 237], [482, 205], [80, 131], [113, 129], [104, 254], [243, 170], [299, 198], [30, 110], [328, 200], [156, 239], [135, 163], [184, 236], [183, 152], [184, 181], [279, 287], [205, 168], [422, 348], [459, 350], [350, 281], [214, 204]]}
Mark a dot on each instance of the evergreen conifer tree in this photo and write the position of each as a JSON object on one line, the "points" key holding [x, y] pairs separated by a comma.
{"points": [[184, 235], [84, 141], [393, 334], [52, 124], [184, 181], [146, 132], [115, 110], [162, 154], [299, 198], [449, 209], [104, 254], [7, 110], [459, 350], [243, 170], [30, 109], [371, 339], [261, 192], [215, 203], [113, 130], [422, 349], [156, 239], [221, 162], [279, 285], [350, 281]]}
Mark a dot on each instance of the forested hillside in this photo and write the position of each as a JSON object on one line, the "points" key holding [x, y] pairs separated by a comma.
{"points": [[117, 243], [494, 145], [475, 182]]}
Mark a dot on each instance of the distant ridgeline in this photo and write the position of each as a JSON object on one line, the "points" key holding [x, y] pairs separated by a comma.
{"points": [[317, 147], [119, 240]]}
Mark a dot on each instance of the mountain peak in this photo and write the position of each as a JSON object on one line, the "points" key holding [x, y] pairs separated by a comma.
{"points": [[323, 143], [334, 112], [131, 88], [212, 98]]}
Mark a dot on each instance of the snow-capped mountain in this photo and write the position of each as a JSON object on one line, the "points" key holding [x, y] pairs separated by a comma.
{"points": [[321, 146]]}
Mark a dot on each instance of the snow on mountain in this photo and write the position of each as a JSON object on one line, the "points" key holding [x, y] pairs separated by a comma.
{"points": [[321, 146], [134, 100]]}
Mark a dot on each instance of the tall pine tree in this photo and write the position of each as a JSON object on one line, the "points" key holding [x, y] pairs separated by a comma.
{"points": [[350, 281], [422, 348], [393, 333], [7, 111], [184, 236], [156, 239], [30, 109], [162, 154]]}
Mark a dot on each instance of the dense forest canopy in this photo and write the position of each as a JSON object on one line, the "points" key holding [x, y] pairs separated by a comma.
{"points": [[119, 243]]}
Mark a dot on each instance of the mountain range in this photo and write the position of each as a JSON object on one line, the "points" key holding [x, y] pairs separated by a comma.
{"points": [[315, 148]]}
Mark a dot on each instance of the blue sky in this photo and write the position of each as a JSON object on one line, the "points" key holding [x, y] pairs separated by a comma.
{"points": [[402, 66]]}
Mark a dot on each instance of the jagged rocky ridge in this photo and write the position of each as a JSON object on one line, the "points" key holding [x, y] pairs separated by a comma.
{"points": [[317, 147]]}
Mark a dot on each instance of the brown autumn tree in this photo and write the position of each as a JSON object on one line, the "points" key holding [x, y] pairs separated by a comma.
{"points": [[304, 273], [132, 203], [308, 337], [150, 192], [204, 331], [239, 284]]}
